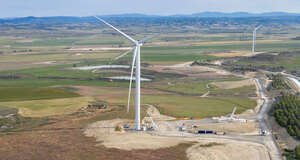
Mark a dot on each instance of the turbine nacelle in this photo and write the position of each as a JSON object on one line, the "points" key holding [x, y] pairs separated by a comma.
{"points": [[255, 29], [139, 43]]}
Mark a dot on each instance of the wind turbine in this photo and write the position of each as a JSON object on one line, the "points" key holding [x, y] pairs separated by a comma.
{"points": [[233, 112], [135, 60], [254, 39]]}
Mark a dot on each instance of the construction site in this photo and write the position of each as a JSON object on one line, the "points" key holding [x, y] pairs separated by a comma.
{"points": [[150, 88]]}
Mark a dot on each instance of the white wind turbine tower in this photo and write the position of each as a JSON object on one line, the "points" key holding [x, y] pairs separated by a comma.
{"points": [[136, 60], [254, 39]]}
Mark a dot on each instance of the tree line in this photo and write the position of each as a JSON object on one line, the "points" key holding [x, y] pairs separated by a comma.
{"points": [[287, 114], [278, 82], [292, 154]]}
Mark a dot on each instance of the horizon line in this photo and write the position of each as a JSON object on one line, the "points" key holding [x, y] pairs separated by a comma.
{"points": [[158, 15]]}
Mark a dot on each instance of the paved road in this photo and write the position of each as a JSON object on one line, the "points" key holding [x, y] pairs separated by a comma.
{"points": [[296, 81], [269, 140]]}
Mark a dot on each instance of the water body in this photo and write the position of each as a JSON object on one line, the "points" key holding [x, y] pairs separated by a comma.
{"points": [[127, 78], [101, 67]]}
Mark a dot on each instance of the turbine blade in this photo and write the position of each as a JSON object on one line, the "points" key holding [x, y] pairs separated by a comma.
{"points": [[131, 75], [258, 27], [122, 33], [233, 112], [148, 38]]}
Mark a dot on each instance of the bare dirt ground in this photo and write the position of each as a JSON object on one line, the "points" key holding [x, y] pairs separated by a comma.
{"points": [[282, 136], [46, 62], [110, 71], [72, 145], [63, 139], [200, 72], [212, 149], [234, 84], [230, 54], [25, 41], [155, 114], [253, 54], [98, 48], [227, 150], [104, 132], [251, 113], [205, 94]]}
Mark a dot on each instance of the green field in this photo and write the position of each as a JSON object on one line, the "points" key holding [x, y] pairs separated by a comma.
{"points": [[289, 60], [30, 92], [175, 57], [33, 93], [186, 88], [275, 46], [200, 88], [58, 75], [183, 106], [69, 41], [42, 101], [58, 56], [246, 90], [35, 82], [48, 107], [199, 52]]}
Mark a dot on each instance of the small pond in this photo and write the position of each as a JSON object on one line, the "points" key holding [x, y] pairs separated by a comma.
{"points": [[128, 78], [101, 67]]}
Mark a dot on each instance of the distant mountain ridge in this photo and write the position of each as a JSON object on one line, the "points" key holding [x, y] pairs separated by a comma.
{"points": [[131, 15], [200, 15], [143, 17], [242, 14], [211, 14]]}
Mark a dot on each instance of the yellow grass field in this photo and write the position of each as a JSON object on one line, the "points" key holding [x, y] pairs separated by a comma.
{"points": [[234, 84], [231, 54], [43, 108]]}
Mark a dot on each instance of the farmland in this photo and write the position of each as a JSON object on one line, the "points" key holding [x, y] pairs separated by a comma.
{"points": [[44, 108], [33, 93], [196, 107], [288, 59], [47, 100]]}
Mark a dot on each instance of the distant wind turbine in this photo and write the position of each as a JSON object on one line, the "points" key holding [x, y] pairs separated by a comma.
{"points": [[254, 38], [135, 60]]}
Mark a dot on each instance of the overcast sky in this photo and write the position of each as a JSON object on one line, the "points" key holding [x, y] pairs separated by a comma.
{"points": [[22, 8]]}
